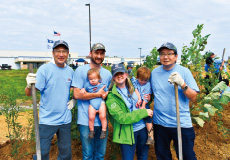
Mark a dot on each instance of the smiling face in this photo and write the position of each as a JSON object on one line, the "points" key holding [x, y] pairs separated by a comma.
{"points": [[93, 78], [60, 54], [97, 57], [120, 79], [168, 58]]}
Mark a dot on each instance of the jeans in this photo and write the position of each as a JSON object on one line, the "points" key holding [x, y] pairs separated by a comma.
{"points": [[163, 137], [128, 151], [46, 133], [95, 148]]}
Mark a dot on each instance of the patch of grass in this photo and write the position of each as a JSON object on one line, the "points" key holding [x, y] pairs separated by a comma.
{"points": [[14, 79]]}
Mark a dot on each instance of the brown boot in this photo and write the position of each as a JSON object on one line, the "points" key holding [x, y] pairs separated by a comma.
{"points": [[150, 140], [91, 134], [103, 134]]}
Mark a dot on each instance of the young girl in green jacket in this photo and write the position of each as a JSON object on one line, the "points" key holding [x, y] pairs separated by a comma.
{"points": [[126, 118]]}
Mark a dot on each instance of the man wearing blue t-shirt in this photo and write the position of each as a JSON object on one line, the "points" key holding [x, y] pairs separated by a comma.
{"points": [[53, 80], [164, 114], [91, 148]]}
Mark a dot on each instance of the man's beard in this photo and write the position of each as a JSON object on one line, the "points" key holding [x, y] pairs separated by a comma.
{"points": [[92, 59]]}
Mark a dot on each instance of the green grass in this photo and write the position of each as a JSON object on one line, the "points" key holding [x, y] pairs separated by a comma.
{"points": [[14, 79]]}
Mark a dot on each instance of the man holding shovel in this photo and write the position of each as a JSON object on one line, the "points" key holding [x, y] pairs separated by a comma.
{"points": [[164, 114], [53, 80]]}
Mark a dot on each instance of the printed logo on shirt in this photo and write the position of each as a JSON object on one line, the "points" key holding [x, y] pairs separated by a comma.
{"points": [[113, 105], [95, 89], [69, 80]]}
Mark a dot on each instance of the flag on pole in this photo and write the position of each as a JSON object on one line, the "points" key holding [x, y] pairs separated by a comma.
{"points": [[48, 46], [50, 41], [57, 34]]}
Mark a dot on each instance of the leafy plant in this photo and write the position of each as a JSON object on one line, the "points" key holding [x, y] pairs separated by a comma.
{"points": [[151, 60]]}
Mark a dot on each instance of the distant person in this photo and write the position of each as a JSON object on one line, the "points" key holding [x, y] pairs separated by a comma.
{"points": [[53, 80], [97, 105], [164, 114], [143, 86], [91, 148], [127, 119], [218, 66], [130, 70]]}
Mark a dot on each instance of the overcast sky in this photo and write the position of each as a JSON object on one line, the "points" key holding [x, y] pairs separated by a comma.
{"points": [[122, 26]]}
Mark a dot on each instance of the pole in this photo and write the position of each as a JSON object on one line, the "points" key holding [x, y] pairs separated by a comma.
{"points": [[35, 113], [89, 27], [178, 123], [140, 55], [221, 62]]}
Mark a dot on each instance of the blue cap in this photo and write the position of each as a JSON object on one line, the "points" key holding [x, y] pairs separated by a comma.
{"points": [[60, 42], [118, 68], [168, 45]]}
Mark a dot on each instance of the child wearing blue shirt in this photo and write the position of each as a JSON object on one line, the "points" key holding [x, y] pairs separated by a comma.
{"points": [[142, 88], [97, 105]]}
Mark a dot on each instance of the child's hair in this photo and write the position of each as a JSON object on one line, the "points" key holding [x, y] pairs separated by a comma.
{"points": [[143, 73], [226, 81], [94, 70], [128, 84]]}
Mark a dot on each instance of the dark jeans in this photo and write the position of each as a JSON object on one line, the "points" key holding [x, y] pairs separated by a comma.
{"points": [[63, 132], [128, 151], [163, 137]]}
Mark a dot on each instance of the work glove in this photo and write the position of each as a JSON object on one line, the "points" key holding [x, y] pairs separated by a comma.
{"points": [[176, 78], [31, 79], [71, 103]]}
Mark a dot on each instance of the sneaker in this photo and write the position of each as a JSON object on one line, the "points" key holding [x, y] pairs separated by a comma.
{"points": [[150, 141], [103, 135], [91, 134]]}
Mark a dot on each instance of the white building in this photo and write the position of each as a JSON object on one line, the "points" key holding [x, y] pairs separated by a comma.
{"points": [[20, 59]]}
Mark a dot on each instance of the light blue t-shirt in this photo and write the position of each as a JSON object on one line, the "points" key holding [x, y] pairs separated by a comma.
{"points": [[131, 104], [95, 102], [79, 80], [143, 89], [164, 97], [54, 84]]}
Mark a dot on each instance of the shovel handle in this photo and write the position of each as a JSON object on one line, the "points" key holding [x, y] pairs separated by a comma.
{"points": [[178, 123], [35, 113]]}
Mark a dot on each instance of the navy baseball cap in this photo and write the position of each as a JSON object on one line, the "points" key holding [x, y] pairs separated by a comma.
{"points": [[60, 42], [168, 45], [118, 68]]}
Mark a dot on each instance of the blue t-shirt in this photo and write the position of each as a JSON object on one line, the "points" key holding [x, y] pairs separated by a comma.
{"points": [[79, 80], [216, 64], [54, 84], [143, 89], [131, 104], [95, 102], [164, 97]]}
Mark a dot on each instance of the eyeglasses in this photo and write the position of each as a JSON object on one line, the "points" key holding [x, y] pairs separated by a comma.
{"points": [[61, 51], [168, 55]]}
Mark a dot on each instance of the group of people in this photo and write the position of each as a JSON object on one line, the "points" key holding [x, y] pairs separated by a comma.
{"points": [[121, 96]]}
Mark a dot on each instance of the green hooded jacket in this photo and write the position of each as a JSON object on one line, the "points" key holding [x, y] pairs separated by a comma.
{"points": [[121, 118]]}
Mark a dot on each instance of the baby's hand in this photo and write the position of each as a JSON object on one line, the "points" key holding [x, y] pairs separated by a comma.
{"points": [[138, 104], [82, 91]]}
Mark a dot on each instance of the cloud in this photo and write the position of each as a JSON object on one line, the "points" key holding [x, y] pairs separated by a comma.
{"points": [[123, 26]]}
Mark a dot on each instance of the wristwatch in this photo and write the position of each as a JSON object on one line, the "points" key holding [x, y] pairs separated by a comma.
{"points": [[185, 88]]}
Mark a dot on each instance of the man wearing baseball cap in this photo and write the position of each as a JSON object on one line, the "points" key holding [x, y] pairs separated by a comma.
{"points": [[53, 80], [164, 114], [91, 148]]}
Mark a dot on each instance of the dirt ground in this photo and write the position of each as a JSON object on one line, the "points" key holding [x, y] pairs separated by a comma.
{"points": [[209, 143]]}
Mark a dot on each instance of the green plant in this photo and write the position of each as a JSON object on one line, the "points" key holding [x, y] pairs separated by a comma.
{"points": [[151, 60], [11, 112]]}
